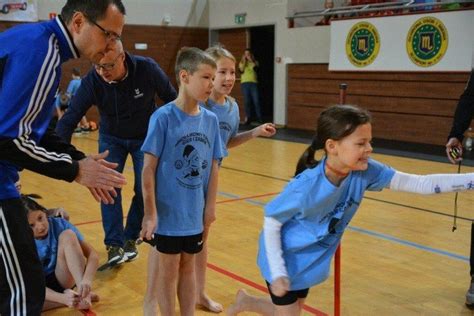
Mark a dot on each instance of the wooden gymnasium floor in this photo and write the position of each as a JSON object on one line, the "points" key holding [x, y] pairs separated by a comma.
{"points": [[399, 255]]}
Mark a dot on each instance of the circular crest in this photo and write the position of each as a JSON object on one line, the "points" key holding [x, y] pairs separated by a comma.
{"points": [[427, 41], [362, 44]]}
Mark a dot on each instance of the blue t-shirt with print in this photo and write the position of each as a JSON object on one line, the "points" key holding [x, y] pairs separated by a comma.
{"points": [[186, 146], [229, 118], [48, 247], [314, 214]]}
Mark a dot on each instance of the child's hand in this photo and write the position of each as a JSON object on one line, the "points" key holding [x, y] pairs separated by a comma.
{"points": [[71, 298], [148, 226], [58, 212], [84, 288], [280, 286], [266, 130]]}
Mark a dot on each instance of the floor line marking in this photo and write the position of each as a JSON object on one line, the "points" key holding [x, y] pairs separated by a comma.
{"points": [[257, 286]]}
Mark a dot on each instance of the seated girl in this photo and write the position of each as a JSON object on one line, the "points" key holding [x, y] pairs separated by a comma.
{"points": [[68, 260]]}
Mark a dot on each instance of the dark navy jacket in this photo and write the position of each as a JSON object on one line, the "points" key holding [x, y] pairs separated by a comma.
{"points": [[125, 106], [464, 111]]}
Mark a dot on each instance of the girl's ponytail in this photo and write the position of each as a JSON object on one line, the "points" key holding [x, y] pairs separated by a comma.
{"points": [[307, 159]]}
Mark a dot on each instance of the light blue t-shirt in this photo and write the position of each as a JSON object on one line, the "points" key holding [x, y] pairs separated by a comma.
{"points": [[186, 147], [229, 118], [314, 214], [48, 248], [73, 86]]}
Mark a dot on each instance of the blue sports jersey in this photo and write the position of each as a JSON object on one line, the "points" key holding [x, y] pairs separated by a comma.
{"points": [[73, 86], [30, 57], [48, 248], [186, 147], [228, 116], [314, 214]]}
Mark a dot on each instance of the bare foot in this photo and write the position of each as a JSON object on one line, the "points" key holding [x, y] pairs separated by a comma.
{"points": [[239, 304], [209, 304], [85, 303]]}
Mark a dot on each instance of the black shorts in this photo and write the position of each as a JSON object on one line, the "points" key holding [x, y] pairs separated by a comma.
{"points": [[176, 244], [289, 298], [53, 283]]}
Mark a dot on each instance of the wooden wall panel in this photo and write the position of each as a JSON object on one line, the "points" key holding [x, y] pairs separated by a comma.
{"points": [[437, 107], [406, 106], [235, 40], [163, 42]]}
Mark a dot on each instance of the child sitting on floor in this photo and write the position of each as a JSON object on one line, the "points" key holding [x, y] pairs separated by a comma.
{"points": [[68, 260]]}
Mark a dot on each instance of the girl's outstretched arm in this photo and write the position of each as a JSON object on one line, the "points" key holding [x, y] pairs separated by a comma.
{"points": [[432, 183], [266, 130]]}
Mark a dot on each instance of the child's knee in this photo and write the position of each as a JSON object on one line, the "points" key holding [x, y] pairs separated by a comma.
{"points": [[68, 236], [187, 263]]}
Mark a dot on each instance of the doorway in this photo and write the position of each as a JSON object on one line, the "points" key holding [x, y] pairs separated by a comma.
{"points": [[262, 41]]}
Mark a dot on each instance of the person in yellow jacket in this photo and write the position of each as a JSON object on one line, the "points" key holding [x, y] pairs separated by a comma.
{"points": [[249, 86]]}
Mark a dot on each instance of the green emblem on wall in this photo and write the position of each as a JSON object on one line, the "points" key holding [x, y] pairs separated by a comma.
{"points": [[427, 41], [362, 44]]}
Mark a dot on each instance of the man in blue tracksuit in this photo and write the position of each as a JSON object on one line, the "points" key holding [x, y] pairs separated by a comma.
{"points": [[124, 88], [30, 69]]}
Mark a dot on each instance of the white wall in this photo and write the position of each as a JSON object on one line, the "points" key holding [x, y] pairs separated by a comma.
{"points": [[297, 45], [191, 13]]}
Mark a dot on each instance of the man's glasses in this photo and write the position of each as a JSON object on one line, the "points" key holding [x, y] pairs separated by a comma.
{"points": [[107, 66], [109, 35]]}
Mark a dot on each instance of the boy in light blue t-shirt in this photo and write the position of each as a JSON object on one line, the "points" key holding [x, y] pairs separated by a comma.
{"points": [[227, 111], [182, 149]]}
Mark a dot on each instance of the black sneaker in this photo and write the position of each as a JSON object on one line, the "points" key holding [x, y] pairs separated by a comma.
{"points": [[115, 255], [130, 250], [470, 296]]}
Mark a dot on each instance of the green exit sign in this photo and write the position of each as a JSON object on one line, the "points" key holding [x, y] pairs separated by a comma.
{"points": [[240, 18]]}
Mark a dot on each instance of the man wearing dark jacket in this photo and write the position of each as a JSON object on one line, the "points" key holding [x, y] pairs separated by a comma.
{"points": [[462, 119], [123, 87]]}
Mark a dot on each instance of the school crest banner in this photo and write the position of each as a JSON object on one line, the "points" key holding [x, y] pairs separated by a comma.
{"points": [[419, 42], [19, 10]]}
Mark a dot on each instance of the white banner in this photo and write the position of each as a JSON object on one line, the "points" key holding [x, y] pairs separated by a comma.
{"points": [[418, 42], [19, 10]]}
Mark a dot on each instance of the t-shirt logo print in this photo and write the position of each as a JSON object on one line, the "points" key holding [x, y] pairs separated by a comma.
{"points": [[191, 164]]}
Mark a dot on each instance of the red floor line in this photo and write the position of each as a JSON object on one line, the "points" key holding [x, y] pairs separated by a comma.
{"points": [[90, 222], [247, 197], [257, 286]]}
